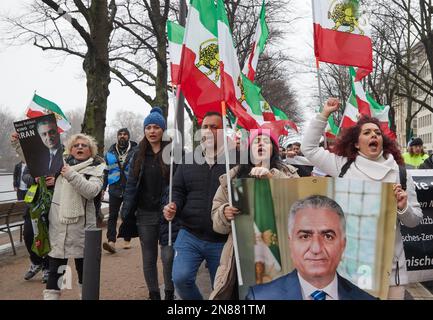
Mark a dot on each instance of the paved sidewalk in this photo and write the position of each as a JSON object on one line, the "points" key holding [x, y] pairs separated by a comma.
{"points": [[121, 276]]}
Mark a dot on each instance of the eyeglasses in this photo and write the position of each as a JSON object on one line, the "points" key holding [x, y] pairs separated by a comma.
{"points": [[77, 145]]}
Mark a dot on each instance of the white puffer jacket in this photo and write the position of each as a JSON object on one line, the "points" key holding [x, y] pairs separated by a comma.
{"points": [[381, 170]]}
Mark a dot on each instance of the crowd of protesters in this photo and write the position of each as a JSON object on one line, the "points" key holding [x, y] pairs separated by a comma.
{"points": [[138, 179]]}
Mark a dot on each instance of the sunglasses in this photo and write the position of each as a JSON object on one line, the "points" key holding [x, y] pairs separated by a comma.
{"points": [[77, 145]]}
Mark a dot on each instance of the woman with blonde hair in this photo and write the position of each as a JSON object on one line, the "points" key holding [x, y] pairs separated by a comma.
{"points": [[72, 209]]}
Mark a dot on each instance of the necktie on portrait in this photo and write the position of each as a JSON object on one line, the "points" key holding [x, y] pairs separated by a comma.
{"points": [[319, 295], [51, 159]]}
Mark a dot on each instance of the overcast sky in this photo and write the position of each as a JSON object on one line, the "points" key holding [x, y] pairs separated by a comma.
{"points": [[61, 79]]}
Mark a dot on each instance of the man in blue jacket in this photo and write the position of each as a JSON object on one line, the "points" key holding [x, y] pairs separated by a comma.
{"points": [[317, 239], [117, 159]]}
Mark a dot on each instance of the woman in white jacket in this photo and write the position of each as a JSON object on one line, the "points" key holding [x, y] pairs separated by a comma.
{"points": [[72, 209], [373, 157]]}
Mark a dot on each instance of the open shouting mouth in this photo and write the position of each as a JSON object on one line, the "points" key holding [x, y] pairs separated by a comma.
{"points": [[373, 145]]}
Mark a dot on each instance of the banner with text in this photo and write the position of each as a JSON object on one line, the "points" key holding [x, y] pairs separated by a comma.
{"points": [[418, 241], [41, 145]]}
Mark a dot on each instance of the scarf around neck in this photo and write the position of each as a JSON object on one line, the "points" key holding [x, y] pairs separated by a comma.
{"points": [[71, 203]]}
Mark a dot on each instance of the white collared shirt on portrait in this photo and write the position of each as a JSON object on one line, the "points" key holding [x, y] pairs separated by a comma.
{"points": [[331, 289]]}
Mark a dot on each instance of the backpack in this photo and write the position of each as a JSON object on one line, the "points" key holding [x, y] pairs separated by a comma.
{"points": [[401, 170]]}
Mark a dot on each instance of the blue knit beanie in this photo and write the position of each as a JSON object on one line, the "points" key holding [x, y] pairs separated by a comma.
{"points": [[155, 117]]}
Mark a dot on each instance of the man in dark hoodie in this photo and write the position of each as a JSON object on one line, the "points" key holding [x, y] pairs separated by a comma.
{"points": [[117, 159]]}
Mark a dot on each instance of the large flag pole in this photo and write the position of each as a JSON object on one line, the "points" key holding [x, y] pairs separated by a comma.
{"points": [[229, 186], [176, 93], [180, 98], [178, 103]]}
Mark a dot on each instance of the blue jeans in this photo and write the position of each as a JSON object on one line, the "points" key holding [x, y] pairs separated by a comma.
{"points": [[190, 252]]}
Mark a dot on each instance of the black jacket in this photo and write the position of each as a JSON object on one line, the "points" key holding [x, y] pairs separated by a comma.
{"points": [[427, 164], [17, 174], [194, 187], [133, 187]]}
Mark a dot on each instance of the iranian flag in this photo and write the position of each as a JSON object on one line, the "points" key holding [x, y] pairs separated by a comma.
{"points": [[175, 33], [382, 114], [200, 71], [231, 83], [40, 107], [266, 248], [258, 46], [361, 103], [342, 35], [265, 115]]}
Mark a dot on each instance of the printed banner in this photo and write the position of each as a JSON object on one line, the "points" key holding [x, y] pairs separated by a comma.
{"points": [[418, 241], [41, 145], [267, 253]]}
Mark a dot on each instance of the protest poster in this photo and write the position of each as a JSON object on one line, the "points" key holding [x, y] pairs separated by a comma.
{"points": [[418, 241], [263, 243], [40, 142]]}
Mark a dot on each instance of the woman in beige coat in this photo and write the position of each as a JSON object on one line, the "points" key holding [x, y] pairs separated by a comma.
{"points": [[72, 209], [264, 163]]}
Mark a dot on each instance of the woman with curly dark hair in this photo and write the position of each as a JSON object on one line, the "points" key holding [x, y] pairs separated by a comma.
{"points": [[363, 152]]}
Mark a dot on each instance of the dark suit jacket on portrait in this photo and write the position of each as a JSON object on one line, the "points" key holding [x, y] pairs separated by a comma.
{"points": [[56, 164], [288, 288]]}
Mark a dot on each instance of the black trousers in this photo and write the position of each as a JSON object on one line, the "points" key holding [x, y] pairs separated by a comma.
{"points": [[21, 194], [28, 240], [149, 236], [114, 207], [58, 268]]}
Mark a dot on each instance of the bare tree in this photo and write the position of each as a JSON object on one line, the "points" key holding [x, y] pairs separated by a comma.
{"points": [[139, 52], [8, 156], [403, 36], [125, 119], [78, 28]]}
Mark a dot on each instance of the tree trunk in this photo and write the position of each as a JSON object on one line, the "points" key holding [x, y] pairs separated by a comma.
{"points": [[161, 94], [408, 120], [97, 69]]}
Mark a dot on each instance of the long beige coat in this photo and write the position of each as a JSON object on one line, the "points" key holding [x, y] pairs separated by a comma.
{"points": [[226, 273], [67, 240]]}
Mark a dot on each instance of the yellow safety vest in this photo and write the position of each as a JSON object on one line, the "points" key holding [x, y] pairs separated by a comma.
{"points": [[31, 192]]}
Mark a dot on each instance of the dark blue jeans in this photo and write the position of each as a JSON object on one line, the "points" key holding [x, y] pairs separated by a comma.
{"points": [[190, 252]]}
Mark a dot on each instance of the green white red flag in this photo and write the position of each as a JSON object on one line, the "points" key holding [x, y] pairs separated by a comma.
{"points": [[175, 34], [342, 35], [258, 46], [231, 85], [200, 71], [265, 115], [40, 106], [360, 103], [266, 248]]}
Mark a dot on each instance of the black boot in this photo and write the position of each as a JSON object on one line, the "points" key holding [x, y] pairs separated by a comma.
{"points": [[154, 295], [169, 295]]}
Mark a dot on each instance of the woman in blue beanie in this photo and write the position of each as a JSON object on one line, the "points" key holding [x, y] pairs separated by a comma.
{"points": [[148, 179]]}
